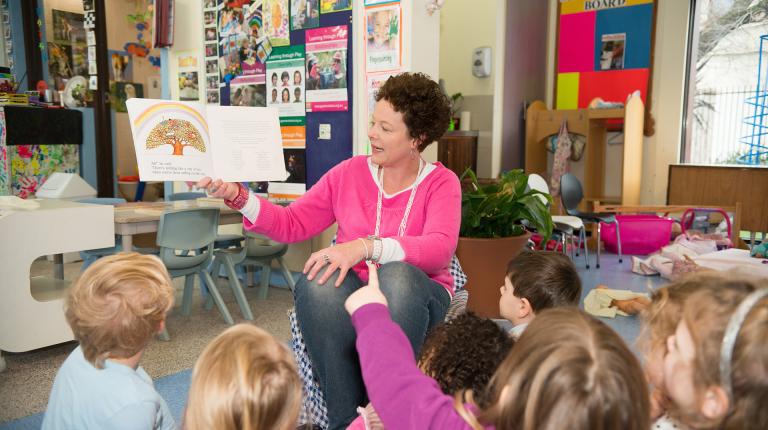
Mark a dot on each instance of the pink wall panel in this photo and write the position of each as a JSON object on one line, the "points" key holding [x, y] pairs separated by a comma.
{"points": [[576, 47]]}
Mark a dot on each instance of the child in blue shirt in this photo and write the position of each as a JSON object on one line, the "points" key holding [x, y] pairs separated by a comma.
{"points": [[114, 309]]}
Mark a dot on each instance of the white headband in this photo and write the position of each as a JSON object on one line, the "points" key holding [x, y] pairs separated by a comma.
{"points": [[732, 333]]}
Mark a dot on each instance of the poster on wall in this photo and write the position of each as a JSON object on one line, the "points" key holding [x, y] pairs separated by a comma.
{"points": [[295, 185], [121, 67], [121, 91], [68, 27], [285, 69], [248, 91], [382, 35], [326, 73], [612, 51], [276, 21], [329, 6], [305, 14], [189, 83]]}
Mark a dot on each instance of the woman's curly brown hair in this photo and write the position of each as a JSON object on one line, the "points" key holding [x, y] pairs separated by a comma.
{"points": [[463, 353], [425, 108]]}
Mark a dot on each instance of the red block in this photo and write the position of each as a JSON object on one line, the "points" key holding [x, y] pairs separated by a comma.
{"points": [[612, 85]]}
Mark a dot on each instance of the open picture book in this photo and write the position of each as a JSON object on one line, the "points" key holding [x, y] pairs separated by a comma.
{"points": [[185, 141]]}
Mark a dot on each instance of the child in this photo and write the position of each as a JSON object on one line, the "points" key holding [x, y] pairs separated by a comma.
{"points": [[460, 355], [566, 370], [114, 309], [536, 281], [244, 380], [715, 369]]}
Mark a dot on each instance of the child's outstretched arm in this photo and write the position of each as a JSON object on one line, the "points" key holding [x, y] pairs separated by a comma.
{"points": [[404, 397]]}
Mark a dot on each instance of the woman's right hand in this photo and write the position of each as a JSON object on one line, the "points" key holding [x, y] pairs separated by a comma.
{"points": [[218, 188]]}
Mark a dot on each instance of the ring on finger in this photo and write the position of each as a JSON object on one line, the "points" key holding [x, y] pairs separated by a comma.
{"points": [[326, 259]]}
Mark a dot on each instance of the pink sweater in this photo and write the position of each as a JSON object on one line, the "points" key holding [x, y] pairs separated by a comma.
{"points": [[347, 195]]}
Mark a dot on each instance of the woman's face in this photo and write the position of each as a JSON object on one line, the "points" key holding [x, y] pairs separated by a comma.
{"points": [[286, 96], [274, 79], [391, 143], [274, 95], [296, 78]]}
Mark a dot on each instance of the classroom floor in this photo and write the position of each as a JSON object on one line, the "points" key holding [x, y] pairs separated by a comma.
{"points": [[26, 384]]}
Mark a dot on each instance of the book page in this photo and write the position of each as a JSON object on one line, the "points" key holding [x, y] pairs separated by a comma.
{"points": [[248, 144], [171, 139]]}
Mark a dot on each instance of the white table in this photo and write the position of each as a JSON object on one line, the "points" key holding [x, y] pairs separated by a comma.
{"points": [[31, 309]]}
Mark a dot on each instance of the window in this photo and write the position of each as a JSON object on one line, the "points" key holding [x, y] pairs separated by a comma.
{"points": [[727, 94]]}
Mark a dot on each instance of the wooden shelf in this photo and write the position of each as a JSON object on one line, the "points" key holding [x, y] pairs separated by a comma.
{"points": [[541, 123]]}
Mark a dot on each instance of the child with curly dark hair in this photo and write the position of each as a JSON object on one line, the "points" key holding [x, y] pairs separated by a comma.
{"points": [[461, 356]]}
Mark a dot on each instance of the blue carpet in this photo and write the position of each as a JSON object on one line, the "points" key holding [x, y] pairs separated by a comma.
{"points": [[173, 388]]}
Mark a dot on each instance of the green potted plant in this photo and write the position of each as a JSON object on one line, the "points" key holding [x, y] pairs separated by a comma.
{"points": [[456, 100], [492, 232]]}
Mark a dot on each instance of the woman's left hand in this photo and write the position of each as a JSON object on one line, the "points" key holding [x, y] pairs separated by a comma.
{"points": [[341, 256]]}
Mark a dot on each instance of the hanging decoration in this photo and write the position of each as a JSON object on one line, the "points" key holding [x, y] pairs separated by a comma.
{"points": [[142, 46]]}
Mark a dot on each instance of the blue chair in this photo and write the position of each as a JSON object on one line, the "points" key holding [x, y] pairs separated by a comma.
{"points": [[191, 230], [222, 240], [191, 195], [260, 251]]}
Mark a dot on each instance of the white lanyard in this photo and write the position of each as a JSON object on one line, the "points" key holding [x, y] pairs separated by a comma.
{"points": [[401, 229]]}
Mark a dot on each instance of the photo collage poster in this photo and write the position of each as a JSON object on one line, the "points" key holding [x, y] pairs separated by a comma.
{"points": [[211, 51], [326, 74], [383, 51], [189, 82], [286, 92], [67, 53], [246, 41]]}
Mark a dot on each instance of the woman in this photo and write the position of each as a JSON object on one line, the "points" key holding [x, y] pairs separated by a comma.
{"points": [[391, 207]]}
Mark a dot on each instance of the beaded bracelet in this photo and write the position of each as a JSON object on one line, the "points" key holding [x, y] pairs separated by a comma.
{"points": [[240, 199]]}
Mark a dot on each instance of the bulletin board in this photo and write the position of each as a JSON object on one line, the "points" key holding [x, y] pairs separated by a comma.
{"points": [[307, 46], [604, 49]]}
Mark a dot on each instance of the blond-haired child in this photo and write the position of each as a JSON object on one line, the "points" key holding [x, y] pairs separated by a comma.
{"points": [[566, 370], [244, 380], [114, 309], [715, 367]]}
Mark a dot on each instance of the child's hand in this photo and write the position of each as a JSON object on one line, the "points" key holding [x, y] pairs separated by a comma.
{"points": [[367, 294]]}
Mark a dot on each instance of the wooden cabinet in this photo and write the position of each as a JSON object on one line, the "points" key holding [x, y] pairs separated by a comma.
{"points": [[457, 150]]}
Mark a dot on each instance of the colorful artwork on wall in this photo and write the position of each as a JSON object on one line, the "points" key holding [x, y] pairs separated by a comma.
{"points": [[30, 165], [5, 168]]}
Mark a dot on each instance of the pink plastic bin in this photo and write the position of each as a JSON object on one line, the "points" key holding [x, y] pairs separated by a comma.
{"points": [[640, 234]]}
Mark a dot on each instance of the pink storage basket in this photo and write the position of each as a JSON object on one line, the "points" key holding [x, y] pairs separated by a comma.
{"points": [[640, 234]]}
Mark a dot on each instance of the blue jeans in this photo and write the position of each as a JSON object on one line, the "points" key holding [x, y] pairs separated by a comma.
{"points": [[416, 304]]}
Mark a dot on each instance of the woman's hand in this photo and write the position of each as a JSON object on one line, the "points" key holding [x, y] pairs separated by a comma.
{"points": [[218, 188], [368, 294], [342, 256]]}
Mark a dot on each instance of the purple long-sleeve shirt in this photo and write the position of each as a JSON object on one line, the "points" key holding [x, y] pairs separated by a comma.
{"points": [[402, 395]]}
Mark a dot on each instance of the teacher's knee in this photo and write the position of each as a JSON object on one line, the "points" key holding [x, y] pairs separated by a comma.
{"points": [[317, 294], [397, 280]]}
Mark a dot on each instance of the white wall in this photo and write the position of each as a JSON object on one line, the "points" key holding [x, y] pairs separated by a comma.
{"points": [[464, 26], [188, 36]]}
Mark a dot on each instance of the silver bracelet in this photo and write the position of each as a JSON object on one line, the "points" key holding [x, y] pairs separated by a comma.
{"points": [[377, 248]]}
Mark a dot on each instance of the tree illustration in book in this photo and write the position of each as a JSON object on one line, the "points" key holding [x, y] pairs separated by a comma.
{"points": [[175, 132]]}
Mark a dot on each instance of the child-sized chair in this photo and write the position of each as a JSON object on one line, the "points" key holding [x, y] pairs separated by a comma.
{"points": [[260, 251], [571, 194], [564, 225], [192, 230]]}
